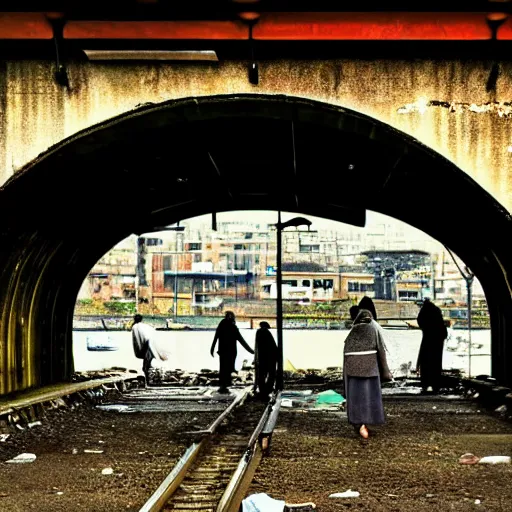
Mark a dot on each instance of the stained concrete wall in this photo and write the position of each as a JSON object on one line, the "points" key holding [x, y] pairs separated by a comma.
{"points": [[36, 113]]}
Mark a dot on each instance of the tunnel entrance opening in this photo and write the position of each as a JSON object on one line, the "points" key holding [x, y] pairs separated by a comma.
{"points": [[183, 280], [188, 157]]}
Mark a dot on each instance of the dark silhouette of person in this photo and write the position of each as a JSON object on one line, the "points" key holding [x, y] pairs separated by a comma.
{"points": [[367, 303], [354, 310], [227, 334], [265, 360], [430, 357]]}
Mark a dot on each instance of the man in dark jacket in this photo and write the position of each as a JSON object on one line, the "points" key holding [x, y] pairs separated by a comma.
{"points": [[227, 334], [265, 360]]}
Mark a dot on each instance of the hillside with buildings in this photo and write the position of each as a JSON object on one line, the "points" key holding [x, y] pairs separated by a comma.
{"points": [[196, 271]]}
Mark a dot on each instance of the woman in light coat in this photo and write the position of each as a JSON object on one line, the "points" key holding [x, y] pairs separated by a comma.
{"points": [[364, 367]]}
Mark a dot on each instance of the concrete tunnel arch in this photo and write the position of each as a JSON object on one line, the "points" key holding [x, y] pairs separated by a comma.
{"points": [[164, 162]]}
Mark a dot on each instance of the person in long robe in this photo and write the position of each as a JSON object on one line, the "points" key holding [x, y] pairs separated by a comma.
{"points": [[430, 357], [364, 367], [227, 335], [265, 360], [145, 346]]}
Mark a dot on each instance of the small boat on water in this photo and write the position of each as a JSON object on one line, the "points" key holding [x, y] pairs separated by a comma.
{"points": [[95, 343]]}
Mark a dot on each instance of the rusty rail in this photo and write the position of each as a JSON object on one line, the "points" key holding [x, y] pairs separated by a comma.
{"points": [[242, 477], [172, 482]]}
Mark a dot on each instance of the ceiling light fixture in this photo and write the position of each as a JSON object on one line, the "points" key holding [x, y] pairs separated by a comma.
{"points": [[182, 55]]}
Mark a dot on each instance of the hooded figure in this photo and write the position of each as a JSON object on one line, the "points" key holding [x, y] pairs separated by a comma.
{"points": [[364, 366], [367, 303], [430, 357], [227, 334], [265, 360]]}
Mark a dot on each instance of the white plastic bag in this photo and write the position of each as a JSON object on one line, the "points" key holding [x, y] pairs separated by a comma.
{"points": [[495, 459], [347, 494], [262, 503]]}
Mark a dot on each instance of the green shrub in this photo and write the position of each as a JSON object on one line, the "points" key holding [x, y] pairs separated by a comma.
{"points": [[120, 308]]}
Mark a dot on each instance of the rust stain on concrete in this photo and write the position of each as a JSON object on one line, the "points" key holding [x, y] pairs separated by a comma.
{"points": [[38, 113]]}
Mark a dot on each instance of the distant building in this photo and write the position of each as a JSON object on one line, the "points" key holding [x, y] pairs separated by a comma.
{"points": [[114, 275], [400, 275], [319, 286]]}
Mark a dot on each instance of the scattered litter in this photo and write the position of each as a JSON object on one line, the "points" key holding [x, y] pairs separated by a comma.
{"points": [[60, 493], [4, 437], [429, 495], [101, 442], [22, 458], [74, 451], [262, 502], [299, 507], [392, 495], [329, 397], [477, 502], [34, 424], [107, 471], [114, 408], [93, 451], [468, 458], [495, 459], [501, 409], [347, 494], [142, 453]]}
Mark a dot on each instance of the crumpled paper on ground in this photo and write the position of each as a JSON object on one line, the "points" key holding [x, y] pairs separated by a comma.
{"points": [[262, 502]]}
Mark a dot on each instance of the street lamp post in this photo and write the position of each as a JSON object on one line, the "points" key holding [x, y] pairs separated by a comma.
{"points": [[295, 222]]}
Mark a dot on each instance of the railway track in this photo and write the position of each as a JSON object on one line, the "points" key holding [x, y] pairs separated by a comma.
{"points": [[215, 471]]}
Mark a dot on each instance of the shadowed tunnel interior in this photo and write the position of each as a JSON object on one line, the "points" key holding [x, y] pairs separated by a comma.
{"points": [[170, 161]]}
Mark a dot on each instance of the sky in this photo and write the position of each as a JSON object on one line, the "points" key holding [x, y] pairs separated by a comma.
{"points": [[267, 217]]}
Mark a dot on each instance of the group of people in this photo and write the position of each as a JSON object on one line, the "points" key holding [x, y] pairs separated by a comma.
{"points": [[227, 335], [365, 364], [265, 354]]}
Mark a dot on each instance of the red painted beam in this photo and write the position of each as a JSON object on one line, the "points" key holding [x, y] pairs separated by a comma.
{"points": [[314, 26], [298, 26], [24, 25], [373, 26], [210, 30]]}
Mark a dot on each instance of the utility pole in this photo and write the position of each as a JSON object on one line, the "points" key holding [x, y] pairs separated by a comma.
{"points": [[175, 306], [468, 276], [279, 282], [175, 293]]}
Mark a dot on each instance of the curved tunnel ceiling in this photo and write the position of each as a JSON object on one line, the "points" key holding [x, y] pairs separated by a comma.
{"points": [[166, 162]]}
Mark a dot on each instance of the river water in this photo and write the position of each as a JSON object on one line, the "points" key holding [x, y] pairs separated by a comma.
{"points": [[190, 350]]}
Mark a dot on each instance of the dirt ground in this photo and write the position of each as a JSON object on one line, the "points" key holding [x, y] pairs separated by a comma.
{"points": [[409, 464], [140, 448]]}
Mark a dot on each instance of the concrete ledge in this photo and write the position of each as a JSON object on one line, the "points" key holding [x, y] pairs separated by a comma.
{"points": [[48, 393], [490, 393]]}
